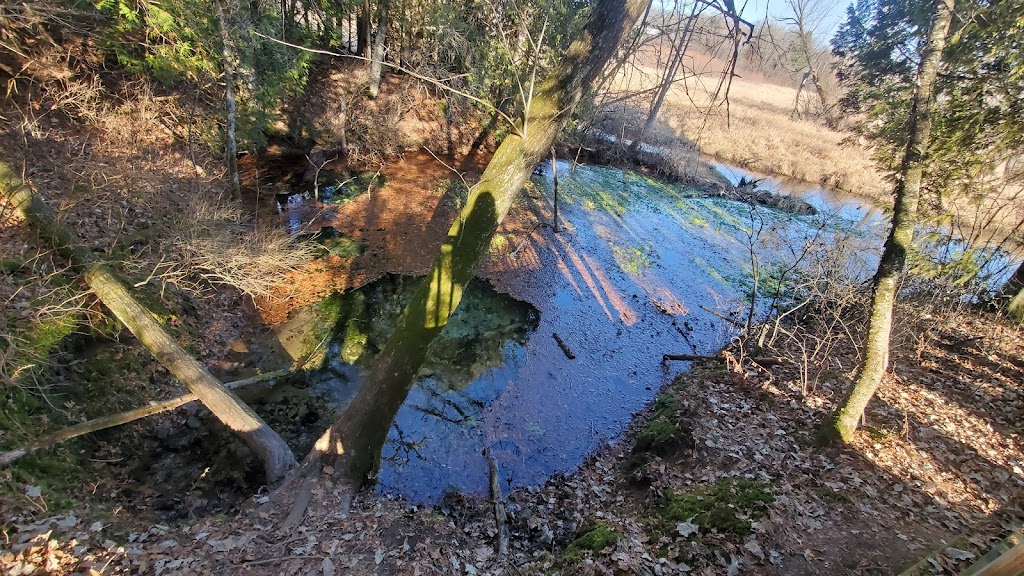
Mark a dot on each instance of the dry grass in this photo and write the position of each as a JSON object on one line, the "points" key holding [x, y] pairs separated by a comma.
{"points": [[759, 133], [756, 131], [219, 244]]}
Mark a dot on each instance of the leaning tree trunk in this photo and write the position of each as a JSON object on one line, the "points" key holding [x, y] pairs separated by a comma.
{"points": [[377, 53], [231, 144], [225, 405], [360, 431], [1013, 291], [843, 423]]}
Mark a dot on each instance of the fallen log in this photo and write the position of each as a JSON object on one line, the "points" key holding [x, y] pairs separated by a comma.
{"points": [[267, 444], [763, 360], [104, 422]]}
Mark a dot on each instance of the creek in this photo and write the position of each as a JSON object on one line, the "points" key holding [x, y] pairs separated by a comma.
{"points": [[560, 341]]}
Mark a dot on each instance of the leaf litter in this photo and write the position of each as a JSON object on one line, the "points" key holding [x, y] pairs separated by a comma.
{"points": [[938, 467]]}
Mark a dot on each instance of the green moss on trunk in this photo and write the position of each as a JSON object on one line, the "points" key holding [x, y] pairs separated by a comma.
{"points": [[843, 424], [360, 432]]}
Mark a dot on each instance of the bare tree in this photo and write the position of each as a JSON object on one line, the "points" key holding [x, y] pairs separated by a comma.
{"points": [[807, 16], [669, 78]]}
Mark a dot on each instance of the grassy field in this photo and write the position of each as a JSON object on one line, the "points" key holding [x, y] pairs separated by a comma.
{"points": [[757, 129]]}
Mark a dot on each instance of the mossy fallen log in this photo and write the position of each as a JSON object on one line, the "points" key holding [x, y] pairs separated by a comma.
{"points": [[267, 444]]}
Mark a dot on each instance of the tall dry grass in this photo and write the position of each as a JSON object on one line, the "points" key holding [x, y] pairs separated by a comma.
{"points": [[221, 245], [757, 130]]}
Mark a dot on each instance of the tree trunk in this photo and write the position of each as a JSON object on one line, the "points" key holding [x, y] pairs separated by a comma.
{"points": [[843, 423], [807, 45], [231, 146], [1013, 291], [359, 433], [226, 406], [377, 57], [363, 29], [799, 91], [667, 81]]}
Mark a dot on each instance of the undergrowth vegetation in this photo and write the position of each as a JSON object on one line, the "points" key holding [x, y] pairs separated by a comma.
{"points": [[221, 245]]}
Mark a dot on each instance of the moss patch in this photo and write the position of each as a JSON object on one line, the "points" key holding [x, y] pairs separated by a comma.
{"points": [[338, 190], [633, 259], [342, 247], [334, 243], [730, 507], [56, 472], [599, 538], [661, 437], [665, 434], [596, 539]]}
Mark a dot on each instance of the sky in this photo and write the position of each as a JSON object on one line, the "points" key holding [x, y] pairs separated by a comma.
{"points": [[755, 11]]}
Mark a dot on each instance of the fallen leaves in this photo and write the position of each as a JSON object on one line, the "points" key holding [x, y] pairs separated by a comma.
{"points": [[931, 464]]}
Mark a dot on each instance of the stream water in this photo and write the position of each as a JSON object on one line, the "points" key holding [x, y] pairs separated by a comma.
{"points": [[560, 343]]}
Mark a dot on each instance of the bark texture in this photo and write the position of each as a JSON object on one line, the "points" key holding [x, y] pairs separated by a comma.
{"points": [[363, 29], [360, 431], [1013, 292], [277, 458], [843, 424], [230, 113], [377, 53]]}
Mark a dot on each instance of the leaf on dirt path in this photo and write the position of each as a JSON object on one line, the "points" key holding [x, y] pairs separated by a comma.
{"points": [[687, 528], [754, 548], [96, 527], [67, 522], [327, 567], [378, 556], [958, 554], [734, 567]]}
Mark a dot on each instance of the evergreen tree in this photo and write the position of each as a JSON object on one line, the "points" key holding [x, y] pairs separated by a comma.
{"points": [[978, 117]]}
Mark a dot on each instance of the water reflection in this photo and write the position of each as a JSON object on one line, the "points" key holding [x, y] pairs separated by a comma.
{"points": [[641, 268]]}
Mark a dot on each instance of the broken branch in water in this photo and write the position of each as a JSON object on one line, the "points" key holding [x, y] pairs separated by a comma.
{"points": [[732, 321], [565, 347], [500, 515]]}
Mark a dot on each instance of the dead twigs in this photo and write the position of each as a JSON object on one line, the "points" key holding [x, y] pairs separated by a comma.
{"points": [[764, 361]]}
